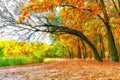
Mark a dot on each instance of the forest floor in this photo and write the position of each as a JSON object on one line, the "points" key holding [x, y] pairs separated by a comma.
{"points": [[63, 70]]}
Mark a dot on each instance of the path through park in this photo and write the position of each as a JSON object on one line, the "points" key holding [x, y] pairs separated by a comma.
{"points": [[63, 70]]}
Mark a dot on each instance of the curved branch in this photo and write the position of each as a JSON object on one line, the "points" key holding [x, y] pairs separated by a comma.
{"points": [[63, 29]]}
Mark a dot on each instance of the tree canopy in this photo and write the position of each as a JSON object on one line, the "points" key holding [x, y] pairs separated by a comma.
{"points": [[72, 17]]}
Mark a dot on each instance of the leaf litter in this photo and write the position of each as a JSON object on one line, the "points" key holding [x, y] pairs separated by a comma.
{"points": [[63, 70]]}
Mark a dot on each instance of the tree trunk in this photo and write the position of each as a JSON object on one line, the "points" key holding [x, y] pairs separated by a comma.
{"points": [[70, 53], [119, 50], [109, 50], [113, 49], [79, 50], [82, 36], [119, 3], [85, 55], [102, 46], [119, 43]]}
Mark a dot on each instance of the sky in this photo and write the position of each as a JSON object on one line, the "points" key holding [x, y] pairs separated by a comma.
{"points": [[10, 32]]}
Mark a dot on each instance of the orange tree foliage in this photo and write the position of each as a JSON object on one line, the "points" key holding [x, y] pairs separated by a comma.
{"points": [[71, 12], [48, 5]]}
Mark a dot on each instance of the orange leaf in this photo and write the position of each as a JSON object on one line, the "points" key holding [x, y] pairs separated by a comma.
{"points": [[56, 3]]}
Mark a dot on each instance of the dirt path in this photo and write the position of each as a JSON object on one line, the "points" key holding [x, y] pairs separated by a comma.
{"points": [[63, 70]]}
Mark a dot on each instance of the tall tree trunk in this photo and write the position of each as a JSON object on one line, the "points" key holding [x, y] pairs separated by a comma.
{"points": [[102, 46], [113, 49], [119, 43], [83, 37], [85, 55], [79, 50], [70, 53], [108, 56], [118, 3], [90, 54]]}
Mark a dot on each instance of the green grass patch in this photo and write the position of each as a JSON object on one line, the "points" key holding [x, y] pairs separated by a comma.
{"points": [[12, 61]]}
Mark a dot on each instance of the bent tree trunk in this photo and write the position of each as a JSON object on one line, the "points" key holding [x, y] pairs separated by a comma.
{"points": [[82, 36]]}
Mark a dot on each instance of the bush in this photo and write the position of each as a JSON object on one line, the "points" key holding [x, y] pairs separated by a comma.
{"points": [[1, 52], [38, 54]]}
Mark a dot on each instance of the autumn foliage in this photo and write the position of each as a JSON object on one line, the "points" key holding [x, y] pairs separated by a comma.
{"points": [[92, 19]]}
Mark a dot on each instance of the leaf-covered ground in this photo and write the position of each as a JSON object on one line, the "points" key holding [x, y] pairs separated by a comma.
{"points": [[63, 70]]}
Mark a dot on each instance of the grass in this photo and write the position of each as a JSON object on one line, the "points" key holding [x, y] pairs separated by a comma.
{"points": [[12, 61]]}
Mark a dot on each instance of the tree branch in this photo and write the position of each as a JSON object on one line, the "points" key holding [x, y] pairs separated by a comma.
{"points": [[116, 6]]}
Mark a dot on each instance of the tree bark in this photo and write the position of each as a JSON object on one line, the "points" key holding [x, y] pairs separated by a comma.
{"points": [[85, 55], [70, 53], [119, 3], [111, 42], [113, 49], [118, 43], [79, 50], [102, 46]]}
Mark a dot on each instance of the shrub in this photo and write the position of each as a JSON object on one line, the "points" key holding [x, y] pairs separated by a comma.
{"points": [[1, 52]]}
